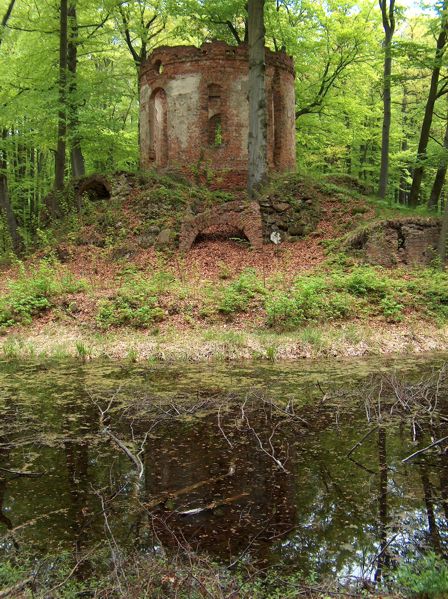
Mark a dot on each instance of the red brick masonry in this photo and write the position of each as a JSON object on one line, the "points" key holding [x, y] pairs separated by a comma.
{"points": [[240, 215], [194, 112]]}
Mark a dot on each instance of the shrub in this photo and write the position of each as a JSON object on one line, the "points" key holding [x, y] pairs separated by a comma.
{"points": [[430, 289], [391, 309], [33, 292], [425, 576], [363, 281], [311, 298], [237, 296], [136, 303]]}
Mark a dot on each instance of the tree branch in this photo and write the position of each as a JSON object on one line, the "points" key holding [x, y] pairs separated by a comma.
{"points": [[6, 17]]}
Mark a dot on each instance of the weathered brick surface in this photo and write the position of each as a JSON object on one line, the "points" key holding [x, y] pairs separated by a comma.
{"points": [[407, 241], [194, 112], [240, 215]]}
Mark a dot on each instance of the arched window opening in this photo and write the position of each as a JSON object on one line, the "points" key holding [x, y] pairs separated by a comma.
{"points": [[158, 67], [277, 120], [215, 133], [158, 127]]}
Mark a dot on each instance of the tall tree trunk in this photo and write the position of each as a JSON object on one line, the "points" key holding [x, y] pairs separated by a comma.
{"points": [[404, 185], [5, 204], [439, 180], [443, 236], [429, 110], [389, 28], [62, 115], [6, 18], [76, 155], [257, 142]]}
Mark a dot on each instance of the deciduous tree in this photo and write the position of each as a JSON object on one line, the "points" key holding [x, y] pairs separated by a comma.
{"points": [[257, 142]]}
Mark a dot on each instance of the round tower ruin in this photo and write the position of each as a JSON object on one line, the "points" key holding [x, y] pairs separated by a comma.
{"points": [[194, 112]]}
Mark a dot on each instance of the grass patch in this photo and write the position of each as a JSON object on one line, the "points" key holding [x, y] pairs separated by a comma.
{"points": [[34, 291], [136, 303], [238, 295]]}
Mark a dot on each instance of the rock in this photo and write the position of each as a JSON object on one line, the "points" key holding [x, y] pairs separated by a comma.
{"points": [[403, 241], [165, 238], [281, 206], [145, 241], [297, 230], [123, 252], [91, 238], [152, 230], [63, 254]]}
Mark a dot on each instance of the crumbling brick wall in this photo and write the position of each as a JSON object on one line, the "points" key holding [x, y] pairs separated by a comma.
{"points": [[240, 215], [410, 241], [194, 111]]}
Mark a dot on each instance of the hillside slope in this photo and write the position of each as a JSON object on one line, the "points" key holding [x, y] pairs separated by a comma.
{"points": [[108, 279]]}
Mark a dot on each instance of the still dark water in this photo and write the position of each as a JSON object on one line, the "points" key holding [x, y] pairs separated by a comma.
{"points": [[239, 462]]}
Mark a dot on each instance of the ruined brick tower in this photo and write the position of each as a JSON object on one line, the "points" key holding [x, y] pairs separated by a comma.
{"points": [[194, 111]]}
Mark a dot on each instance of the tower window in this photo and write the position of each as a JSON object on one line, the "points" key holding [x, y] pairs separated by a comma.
{"points": [[214, 92], [215, 135]]}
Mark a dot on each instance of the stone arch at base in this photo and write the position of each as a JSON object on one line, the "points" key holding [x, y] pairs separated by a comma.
{"points": [[96, 187], [239, 215]]}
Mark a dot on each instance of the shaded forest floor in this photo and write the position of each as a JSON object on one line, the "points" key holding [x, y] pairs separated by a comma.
{"points": [[90, 289]]}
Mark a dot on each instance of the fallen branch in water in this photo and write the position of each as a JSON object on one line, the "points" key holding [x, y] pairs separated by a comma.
{"points": [[22, 473], [361, 441], [136, 460], [420, 451], [173, 494], [213, 505], [271, 453]]}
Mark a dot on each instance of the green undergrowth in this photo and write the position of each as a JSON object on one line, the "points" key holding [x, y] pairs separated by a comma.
{"points": [[137, 302], [192, 576], [340, 290], [34, 291]]}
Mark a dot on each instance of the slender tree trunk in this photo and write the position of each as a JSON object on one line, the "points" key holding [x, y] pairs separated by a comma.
{"points": [[6, 18], [443, 236], [429, 111], [389, 28], [5, 204], [387, 119], [62, 115], [76, 155], [257, 142], [404, 185], [439, 180]]}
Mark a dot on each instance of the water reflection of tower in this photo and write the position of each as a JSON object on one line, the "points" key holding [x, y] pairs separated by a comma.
{"points": [[191, 465]]}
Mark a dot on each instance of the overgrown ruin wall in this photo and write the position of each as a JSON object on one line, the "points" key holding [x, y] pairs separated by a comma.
{"points": [[408, 241], [195, 111]]}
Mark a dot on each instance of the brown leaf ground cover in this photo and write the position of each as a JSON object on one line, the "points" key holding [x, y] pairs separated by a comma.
{"points": [[217, 258]]}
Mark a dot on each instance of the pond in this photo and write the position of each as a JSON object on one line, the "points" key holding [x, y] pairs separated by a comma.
{"points": [[296, 465]]}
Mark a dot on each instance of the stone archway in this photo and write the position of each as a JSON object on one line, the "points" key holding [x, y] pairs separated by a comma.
{"points": [[95, 187], [239, 215]]}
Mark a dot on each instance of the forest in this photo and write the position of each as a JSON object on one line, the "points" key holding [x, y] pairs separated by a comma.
{"points": [[223, 299], [371, 91]]}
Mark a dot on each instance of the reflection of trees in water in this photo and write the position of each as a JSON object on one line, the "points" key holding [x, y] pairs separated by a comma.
{"points": [[4, 457], [383, 559], [192, 464], [327, 515], [77, 426]]}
